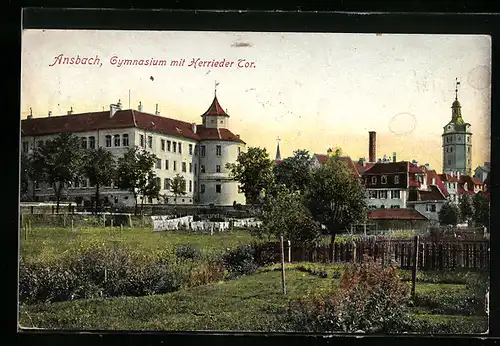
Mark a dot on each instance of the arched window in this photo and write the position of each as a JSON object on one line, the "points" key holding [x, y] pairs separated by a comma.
{"points": [[384, 179], [108, 141], [374, 180], [125, 140], [92, 142]]}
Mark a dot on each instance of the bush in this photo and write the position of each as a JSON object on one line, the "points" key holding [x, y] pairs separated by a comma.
{"points": [[240, 261], [370, 298], [187, 251]]}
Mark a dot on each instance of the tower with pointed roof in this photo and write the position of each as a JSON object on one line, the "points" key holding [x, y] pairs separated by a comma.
{"points": [[278, 154], [215, 117], [457, 141]]}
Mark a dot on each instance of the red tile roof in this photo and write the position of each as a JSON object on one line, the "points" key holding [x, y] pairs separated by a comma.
{"points": [[468, 179], [361, 169], [395, 214], [122, 119], [432, 194], [431, 173], [322, 159], [448, 178], [215, 109], [416, 169]]}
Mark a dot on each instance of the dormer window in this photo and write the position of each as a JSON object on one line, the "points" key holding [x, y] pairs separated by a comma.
{"points": [[396, 179], [374, 180], [384, 179]]}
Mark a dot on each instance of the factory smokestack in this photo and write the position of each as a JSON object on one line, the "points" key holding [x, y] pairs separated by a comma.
{"points": [[372, 147]]}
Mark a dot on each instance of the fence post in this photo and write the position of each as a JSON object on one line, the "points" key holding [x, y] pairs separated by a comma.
{"points": [[32, 207], [289, 251], [415, 265], [72, 228], [130, 220], [354, 252], [26, 232], [283, 266]]}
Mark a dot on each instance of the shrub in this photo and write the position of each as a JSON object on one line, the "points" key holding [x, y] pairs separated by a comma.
{"points": [[370, 298], [240, 261], [187, 251]]}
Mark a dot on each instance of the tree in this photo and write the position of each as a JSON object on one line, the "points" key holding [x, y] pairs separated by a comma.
{"points": [[178, 186], [449, 214], [133, 169], [59, 162], [284, 214], [482, 210], [254, 171], [335, 197], [295, 171], [100, 168], [466, 207], [150, 188], [25, 173]]}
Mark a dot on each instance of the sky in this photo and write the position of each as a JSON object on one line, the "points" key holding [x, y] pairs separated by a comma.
{"points": [[312, 90]]}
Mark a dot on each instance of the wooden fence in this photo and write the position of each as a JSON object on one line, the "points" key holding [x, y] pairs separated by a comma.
{"points": [[432, 255]]}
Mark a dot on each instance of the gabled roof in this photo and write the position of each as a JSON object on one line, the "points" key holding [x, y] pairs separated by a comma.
{"points": [[448, 178], [322, 159], [128, 118], [215, 109], [361, 169], [431, 173], [396, 214], [433, 193]]}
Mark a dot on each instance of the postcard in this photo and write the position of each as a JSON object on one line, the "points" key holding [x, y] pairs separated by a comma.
{"points": [[254, 182]]}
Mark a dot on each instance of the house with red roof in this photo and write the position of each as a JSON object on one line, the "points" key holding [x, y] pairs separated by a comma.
{"points": [[481, 172], [198, 152], [398, 219]]}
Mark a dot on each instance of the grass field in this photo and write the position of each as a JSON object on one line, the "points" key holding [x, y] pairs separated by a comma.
{"points": [[250, 303]]}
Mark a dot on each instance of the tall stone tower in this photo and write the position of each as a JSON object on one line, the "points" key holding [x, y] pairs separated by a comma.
{"points": [[457, 141]]}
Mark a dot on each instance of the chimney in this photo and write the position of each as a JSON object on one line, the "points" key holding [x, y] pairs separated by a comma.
{"points": [[50, 113], [372, 146], [238, 136], [70, 111], [394, 157], [156, 111], [139, 108], [112, 110], [193, 127], [433, 181], [31, 114]]}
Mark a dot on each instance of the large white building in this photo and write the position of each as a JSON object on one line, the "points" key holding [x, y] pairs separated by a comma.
{"points": [[197, 152]]}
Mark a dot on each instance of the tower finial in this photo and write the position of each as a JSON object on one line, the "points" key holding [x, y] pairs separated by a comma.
{"points": [[215, 88], [457, 83]]}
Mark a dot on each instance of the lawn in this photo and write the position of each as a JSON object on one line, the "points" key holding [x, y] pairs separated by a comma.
{"points": [[250, 303]]}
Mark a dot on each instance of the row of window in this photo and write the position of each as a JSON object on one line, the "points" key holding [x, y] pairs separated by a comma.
{"points": [[449, 139], [468, 162], [176, 147], [218, 168], [383, 179], [383, 194], [167, 184], [450, 150]]}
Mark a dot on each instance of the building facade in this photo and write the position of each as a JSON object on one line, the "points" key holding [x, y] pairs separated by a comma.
{"points": [[199, 153]]}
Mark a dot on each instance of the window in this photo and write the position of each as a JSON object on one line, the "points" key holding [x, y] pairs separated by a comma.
{"points": [[163, 145], [382, 206], [218, 150], [190, 186], [108, 141], [174, 144], [430, 207], [150, 141], [25, 147], [84, 142], [190, 149], [396, 179], [202, 169], [374, 180], [203, 151], [92, 142], [395, 194], [84, 182], [395, 206], [180, 148], [239, 150], [91, 184], [142, 141], [449, 162], [384, 179], [459, 138], [194, 186], [125, 140], [190, 167], [184, 167], [468, 138], [166, 184], [195, 168], [383, 194], [158, 163], [217, 168], [373, 194], [175, 165], [451, 150], [218, 188], [213, 121], [202, 188], [166, 164], [183, 186], [168, 145], [196, 149], [117, 140]]}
